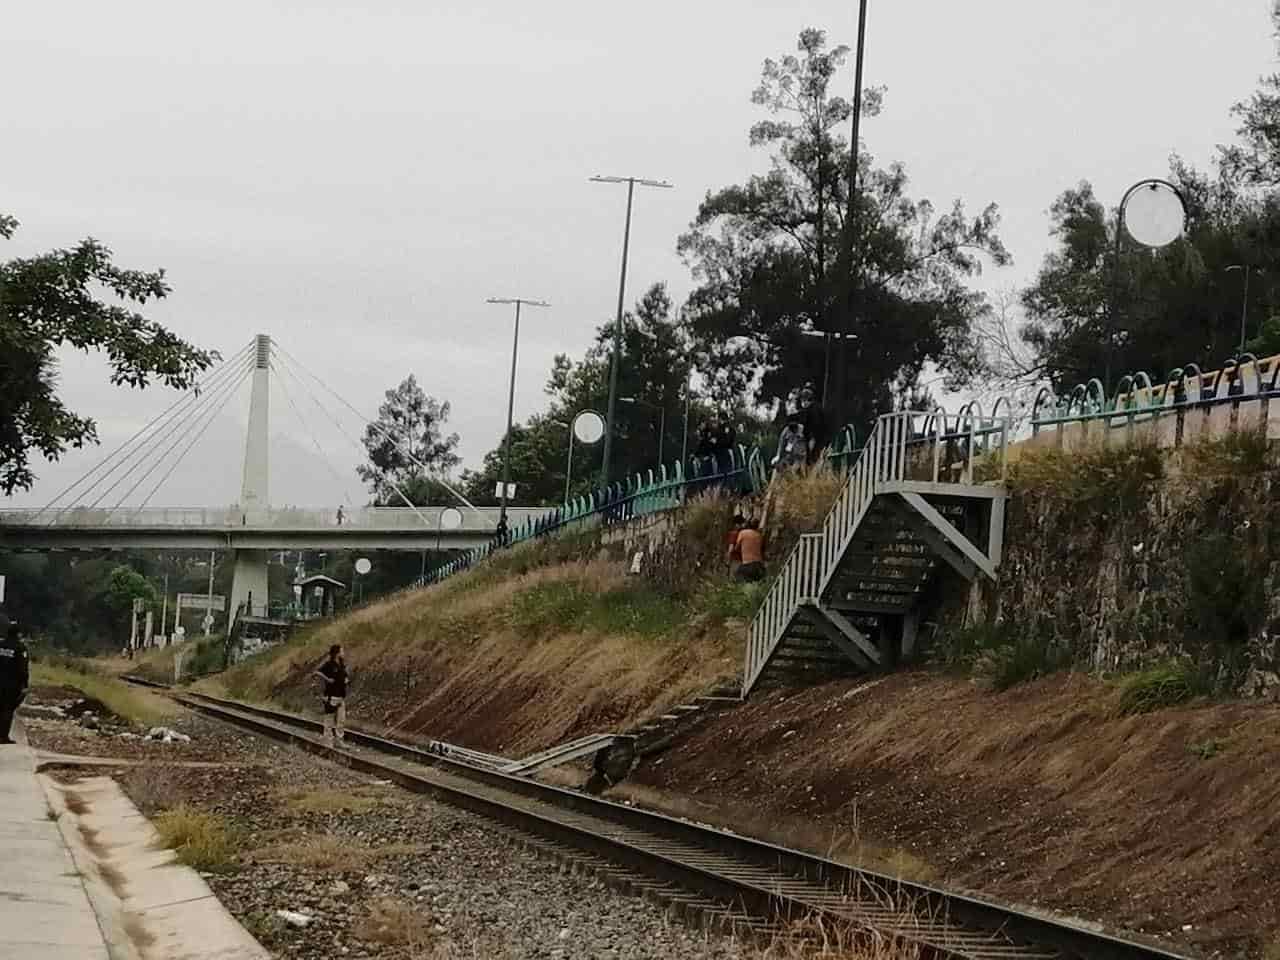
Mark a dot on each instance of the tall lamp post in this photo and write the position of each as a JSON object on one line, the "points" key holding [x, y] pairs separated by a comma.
{"points": [[1153, 212], [1244, 309], [511, 398], [662, 429], [587, 427], [616, 362]]}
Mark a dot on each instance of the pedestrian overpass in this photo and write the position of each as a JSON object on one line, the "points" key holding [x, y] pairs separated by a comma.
{"points": [[109, 507]]}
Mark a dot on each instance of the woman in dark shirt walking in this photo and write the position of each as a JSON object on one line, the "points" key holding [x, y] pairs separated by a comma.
{"points": [[334, 675]]}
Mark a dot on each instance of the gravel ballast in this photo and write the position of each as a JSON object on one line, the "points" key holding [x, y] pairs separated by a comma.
{"points": [[330, 863]]}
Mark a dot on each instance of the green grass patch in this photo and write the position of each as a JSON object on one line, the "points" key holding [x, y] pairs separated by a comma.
{"points": [[998, 655], [203, 841], [130, 703], [732, 599], [636, 609], [1205, 750], [1167, 684]]}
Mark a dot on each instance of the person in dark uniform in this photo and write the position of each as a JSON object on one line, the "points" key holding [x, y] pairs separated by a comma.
{"points": [[334, 675], [15, 677]]}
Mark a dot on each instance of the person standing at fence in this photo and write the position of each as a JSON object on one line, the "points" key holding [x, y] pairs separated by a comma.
{"points": [[751, 552], [334, 675], [15, 678], [810, 417]]}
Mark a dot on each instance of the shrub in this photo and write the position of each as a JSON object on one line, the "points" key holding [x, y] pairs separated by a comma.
{"points": [[1105, 479], [1163, 685]]}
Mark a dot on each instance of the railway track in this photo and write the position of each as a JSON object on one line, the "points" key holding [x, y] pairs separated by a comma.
{"points": [[711, 876]]}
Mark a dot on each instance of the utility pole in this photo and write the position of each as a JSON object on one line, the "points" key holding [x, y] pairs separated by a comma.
{"points": [[1244, 309], [208, 610], [850, 227], [164, 608], [511, 400], [616, 361]]}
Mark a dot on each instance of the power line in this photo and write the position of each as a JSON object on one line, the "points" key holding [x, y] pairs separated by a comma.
{"points": [[356, 443], [194, 439], [186, 397], [223, 392], [400, 444], [141, 455], [311, 433]]}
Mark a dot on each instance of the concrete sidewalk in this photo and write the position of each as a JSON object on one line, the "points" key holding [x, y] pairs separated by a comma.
{"points": [[45, 913]]}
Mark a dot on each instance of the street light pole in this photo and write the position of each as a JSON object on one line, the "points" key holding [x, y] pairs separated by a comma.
{"points": [[684, 439], [511, 397], [616, 361], [1244, 309]]}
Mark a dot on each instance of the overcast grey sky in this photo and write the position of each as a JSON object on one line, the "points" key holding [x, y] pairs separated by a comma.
{"points": [[356, 179]]}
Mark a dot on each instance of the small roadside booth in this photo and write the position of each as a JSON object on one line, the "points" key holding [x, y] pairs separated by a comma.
{"points": [[317, 595]]}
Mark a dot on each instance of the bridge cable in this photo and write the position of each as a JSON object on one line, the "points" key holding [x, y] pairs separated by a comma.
{"points": [[186, 397], [213, 415], [356, 443], [173, 427], [401, 444], [311, 433]]}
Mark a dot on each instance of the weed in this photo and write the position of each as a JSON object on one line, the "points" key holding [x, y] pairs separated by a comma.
{"points": [[1235, 453], [396, 923], [1026, 658], [1107, 479], [962, 646], [1225, 598], [332, 852], [569, 604], [130, 703], [1205, 750], [327, 801], [1163, 685], [728, 599], [201, 840]]}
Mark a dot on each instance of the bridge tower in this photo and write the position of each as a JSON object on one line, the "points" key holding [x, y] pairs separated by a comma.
{"points": [[250, 576]]}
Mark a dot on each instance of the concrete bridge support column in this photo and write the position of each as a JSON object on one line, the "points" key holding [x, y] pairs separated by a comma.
{"points": [[249, 580]]}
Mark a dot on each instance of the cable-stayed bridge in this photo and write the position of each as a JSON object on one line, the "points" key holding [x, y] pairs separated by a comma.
{"points": [[109, 506]]}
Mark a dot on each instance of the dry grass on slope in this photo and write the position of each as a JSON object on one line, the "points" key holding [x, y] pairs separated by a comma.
{"points": [[521, 662]]}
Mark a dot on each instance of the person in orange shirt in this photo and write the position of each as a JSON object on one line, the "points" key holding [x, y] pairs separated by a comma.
{"points": [[751, 551]]}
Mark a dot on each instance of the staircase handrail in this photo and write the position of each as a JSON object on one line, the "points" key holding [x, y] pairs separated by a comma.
{"points": [[813, 562]]}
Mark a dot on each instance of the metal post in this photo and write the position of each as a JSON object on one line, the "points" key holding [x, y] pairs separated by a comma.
{"points": [[511, 396], [1244, 310], [851, 221], [208, 609], [662, 434], [616, 360], [511, 406], [684, 440], [568, 470], [164, 608]]}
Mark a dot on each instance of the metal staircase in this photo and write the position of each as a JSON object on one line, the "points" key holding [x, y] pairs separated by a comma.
{"points": [[848, 598]]}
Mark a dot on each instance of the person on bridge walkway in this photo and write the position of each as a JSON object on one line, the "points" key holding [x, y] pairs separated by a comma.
{"points": [[334, 675], [15, 677], [751, 551]]}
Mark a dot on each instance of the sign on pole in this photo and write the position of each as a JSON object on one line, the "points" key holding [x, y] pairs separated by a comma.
{"points": [[202, 601], [1, 588], [511, 491]]}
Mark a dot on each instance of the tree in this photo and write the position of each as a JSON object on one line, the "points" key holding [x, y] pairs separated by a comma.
{"points": [[772, 286], [655, 366], [407, 445], [1255, 160], [1161, 309], [53, 300]]}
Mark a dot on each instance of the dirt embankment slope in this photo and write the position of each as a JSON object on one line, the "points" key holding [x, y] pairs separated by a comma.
{"points": [[516, 663], [1042, 794]]}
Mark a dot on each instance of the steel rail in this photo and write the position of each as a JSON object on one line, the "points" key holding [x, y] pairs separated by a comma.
{"points": [[741, 876]]}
